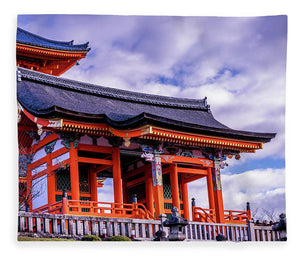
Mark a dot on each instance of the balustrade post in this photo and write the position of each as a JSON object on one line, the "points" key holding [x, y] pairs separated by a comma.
{"points": [[86, 227], [21, 223], [63, 227], [132, 232], [93, 227], [72, 232], [54, 225], [193, 209], [46, 225], [64, 202], [251, 231], [30, 224], [38, 225], [248, 210], [134, 203]]}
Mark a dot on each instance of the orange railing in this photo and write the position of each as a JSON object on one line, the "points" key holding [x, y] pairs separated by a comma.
{"points": [[100, 209], [239, 217], [106, 209], [204, 215], [230, 216], [54, 208]]}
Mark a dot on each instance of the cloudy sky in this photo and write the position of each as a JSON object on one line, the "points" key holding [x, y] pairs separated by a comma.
{"points": [[239, 64]]}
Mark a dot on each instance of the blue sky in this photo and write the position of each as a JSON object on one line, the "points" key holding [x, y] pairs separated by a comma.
{"points": [[238, 63]]}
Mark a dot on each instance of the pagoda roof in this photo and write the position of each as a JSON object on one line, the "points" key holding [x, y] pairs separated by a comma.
{"points": [[48, 96], [28, 38]]}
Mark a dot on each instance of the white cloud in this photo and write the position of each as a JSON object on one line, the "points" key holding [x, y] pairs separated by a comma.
{"points": [[263, 188], [106, 192], [238, 63]]}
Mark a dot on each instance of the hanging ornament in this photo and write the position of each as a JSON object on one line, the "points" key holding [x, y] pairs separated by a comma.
{"points": [[237, 157]]}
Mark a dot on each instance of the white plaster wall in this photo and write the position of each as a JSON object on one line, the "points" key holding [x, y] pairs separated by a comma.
{"points": [[58, 145], [103, 142], [60, 158], [43, 136], [39, 192], [86, 140], [198, 154], [38, 155], [39, 169]]}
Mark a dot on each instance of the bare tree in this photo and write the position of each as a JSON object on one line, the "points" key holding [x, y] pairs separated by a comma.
{"points": [[29, 193]]}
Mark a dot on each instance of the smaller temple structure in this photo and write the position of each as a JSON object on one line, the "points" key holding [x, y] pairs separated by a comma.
{"points": [[74, 135], [47, 56]]}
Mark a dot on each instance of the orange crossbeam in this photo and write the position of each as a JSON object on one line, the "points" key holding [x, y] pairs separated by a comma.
{"points": [[192, 171], [95, 161], [186, 160]]}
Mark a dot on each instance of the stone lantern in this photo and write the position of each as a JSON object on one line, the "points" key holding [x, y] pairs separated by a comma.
{"points": [[176, 225], [281, 227]]}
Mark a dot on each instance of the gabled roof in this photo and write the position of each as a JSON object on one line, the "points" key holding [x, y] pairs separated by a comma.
{"points": [[48, 96], [28, 38]]}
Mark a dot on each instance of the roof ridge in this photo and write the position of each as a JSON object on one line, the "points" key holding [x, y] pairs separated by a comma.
{"points": [[62, 43], [68, 43], [88, 88]]}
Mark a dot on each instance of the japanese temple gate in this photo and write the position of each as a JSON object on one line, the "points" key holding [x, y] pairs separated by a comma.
{"points": [[74, 135]]}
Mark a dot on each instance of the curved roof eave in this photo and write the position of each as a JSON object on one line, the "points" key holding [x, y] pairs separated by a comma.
{"points": [[50, 96]]}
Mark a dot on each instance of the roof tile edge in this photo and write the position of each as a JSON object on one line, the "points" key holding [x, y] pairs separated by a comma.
{"points": [[88, 88]]}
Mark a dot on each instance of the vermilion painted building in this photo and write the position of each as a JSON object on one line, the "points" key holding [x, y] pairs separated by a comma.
{"points": [[74, 135]]}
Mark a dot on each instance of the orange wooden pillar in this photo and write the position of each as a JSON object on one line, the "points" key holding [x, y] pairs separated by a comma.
{"points": [[174, 186], [117, 181], [218, 196], [93, 185], [149, 192], [29, 187], [74, 172], [50, 180], [210, 190], [124, 191], [185, 198], [158, 192]]}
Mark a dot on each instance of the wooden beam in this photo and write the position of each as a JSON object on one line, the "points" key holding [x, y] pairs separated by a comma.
{"points": [[93, 148], [172, 159], [95, 161], [45, 141], [192, 171], [137, 171], [192, 178], [101, 168], [136, 182]]}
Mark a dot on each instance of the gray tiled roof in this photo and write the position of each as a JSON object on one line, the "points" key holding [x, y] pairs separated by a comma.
{"points": [[50, 96], [97, 90], [28, 38]]}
